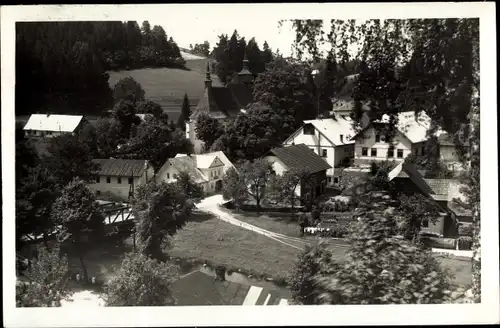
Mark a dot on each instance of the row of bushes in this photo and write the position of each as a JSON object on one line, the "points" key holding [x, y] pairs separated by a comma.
{"points": [[335, 206]]}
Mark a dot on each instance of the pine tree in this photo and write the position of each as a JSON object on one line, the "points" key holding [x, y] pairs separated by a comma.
{"points": [[185, 113]]}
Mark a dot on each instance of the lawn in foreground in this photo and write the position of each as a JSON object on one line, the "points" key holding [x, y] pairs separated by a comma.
{"points": [[284, 224], [222, 243]]}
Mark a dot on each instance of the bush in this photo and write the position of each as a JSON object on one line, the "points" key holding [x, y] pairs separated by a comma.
{"points": [[141, 281], [465, 230], [464, 243], [381, 268]]}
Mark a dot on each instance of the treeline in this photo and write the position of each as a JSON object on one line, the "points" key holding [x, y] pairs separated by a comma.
{"points": [[62, 65], [230, 52]]}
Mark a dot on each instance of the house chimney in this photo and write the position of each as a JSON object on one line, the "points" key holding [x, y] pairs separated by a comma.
{"points": [[208, 80], [220, 273]]}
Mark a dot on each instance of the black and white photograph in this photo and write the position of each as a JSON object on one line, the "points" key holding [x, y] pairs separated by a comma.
{"points": [[318, 159]]}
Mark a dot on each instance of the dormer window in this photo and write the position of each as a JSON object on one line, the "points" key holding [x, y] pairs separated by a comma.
{"points": [[309, 129], [341, 138]]}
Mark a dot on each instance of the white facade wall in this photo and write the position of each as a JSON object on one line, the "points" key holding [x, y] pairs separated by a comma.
{"points": [[191, 135], [280, 168], [368, 141]]}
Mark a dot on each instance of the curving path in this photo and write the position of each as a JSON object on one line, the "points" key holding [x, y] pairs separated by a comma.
{"points": [[213, 204]]}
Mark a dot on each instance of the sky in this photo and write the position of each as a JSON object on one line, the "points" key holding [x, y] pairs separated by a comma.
{"points": [[206, 28]]}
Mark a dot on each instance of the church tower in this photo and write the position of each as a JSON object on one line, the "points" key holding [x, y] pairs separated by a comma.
{"points": [[245, 76]]}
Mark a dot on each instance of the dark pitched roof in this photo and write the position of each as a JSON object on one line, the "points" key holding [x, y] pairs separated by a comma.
{"points": [[438, 186], [188, 164], [121, 167], [198, 288], [300, 156], [222, 102]]}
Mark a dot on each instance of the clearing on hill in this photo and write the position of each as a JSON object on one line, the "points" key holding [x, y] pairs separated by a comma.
{"points": [[167, 86]]}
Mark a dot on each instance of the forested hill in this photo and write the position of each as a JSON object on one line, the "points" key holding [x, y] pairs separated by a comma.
{"points": [[61, 66]]}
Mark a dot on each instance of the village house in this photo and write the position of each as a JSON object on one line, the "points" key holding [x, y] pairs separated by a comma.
{"points": [[205, 169], [118, 178], [371, 144], [330, 139], [409, 180], [301, 157], [343, 103], [51, 125], [449, 152], [221, 102]]}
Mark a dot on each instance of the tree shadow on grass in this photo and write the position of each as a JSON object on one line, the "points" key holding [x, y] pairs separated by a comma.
{"points": [[198, 216]]}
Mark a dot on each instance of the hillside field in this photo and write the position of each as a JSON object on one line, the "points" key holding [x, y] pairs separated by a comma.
{"points": [[167, 86]]}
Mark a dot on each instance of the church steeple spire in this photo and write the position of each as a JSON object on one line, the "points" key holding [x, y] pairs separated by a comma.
{"points": [[245, 76]]}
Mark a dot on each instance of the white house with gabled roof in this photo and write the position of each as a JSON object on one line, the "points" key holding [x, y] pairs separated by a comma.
{"points": [[50, 125], [330, 138], [205, 169], [411, 134]]}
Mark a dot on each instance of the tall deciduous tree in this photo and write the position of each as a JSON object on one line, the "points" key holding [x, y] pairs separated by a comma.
{"points": [[153, 141], [208, 129], [124, 112], [80, 219], [128, 89], [141, 281], [160, 209], [282, 86], [234, 187], [150, 107], [283, 188], [413, 211], [46, 284], [256, 176], [35, 194], [62, 152]]}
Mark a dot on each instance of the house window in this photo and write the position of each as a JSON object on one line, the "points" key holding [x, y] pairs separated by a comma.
{"points": [[119, 180], [168, 175], [325, 152], [130, 181], [364, 151], [400, 153], [329, 179], [425, 223], [98, 180], [341, 138], [309, 129], [98, 192], [390, 152], [382, 138], [374, 152], [108, 179], [423, 150], [336, 180], [377, 138]]}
